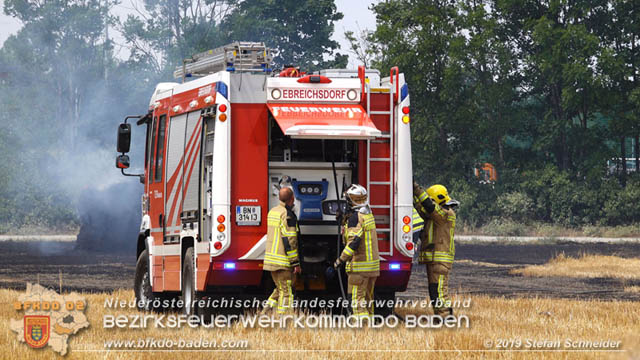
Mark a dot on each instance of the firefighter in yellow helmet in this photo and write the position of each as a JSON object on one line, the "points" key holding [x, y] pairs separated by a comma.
{"points": [[361, 251], [437, 248], [281, 251], [417, 226]]}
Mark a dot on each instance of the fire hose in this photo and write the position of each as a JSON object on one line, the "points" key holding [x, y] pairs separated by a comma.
{"points": [[338, 220]]}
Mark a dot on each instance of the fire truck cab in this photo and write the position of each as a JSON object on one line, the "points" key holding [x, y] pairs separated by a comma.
{"points": [[219, 147]]}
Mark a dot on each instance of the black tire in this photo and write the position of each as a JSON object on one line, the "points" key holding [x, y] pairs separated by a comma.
{"points": [[189, 296], [142, 283]]}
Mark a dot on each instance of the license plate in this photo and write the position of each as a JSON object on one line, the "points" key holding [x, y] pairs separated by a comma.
{"points": [[247, 215]]}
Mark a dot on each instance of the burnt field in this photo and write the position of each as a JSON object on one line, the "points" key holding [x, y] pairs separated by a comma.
{"points": [[480, 269]]}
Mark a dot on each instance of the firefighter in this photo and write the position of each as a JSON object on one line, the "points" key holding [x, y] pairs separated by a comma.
{"points": [[361, 251], [281, 251], [418, 232], [417, 226], [437, 249], [421, 223]]}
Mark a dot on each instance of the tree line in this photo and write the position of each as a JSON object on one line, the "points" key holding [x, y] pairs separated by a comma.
{"points": [[75, 70], [546, 91]]}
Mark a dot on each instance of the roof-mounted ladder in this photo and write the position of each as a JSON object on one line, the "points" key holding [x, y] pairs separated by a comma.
{"points": [[240, 56]]}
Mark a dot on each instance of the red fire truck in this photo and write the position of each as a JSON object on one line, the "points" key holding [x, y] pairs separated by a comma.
{"points": [[218, 148]]}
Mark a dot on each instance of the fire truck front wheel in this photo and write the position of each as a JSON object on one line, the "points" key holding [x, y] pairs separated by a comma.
{"points": [[190, 296], [142, 283]]}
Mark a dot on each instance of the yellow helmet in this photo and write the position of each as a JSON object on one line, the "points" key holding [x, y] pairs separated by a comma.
{"points": [[439, 194]]}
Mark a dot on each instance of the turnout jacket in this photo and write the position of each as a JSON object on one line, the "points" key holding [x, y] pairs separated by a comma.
{"points": [[281, 249], [417, 226], [361, 250], [437, 243]]}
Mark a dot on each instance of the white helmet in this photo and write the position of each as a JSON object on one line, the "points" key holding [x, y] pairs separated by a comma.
{"points": [[357, 197]]}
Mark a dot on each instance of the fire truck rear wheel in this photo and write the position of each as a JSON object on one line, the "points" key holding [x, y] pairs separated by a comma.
{"points": [[190, 296], [142, 283]]}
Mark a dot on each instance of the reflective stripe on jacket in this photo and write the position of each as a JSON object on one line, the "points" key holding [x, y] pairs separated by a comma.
{"points": [[418, 222], [417, 227], [438, 243], [281, 249], [361, 250]]}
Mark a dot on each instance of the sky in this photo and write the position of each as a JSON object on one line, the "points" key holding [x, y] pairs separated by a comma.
{"points": [[357, 16], [8, 25]]}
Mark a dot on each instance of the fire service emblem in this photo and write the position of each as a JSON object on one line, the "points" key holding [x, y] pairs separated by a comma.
{"points": [[36, 330]]}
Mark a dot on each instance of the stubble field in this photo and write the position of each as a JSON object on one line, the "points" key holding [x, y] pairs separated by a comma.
{"points": [[492, 320], [509, 308]]}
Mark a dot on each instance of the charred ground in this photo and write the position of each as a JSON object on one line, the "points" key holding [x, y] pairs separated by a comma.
{"points": [[481, 269]]}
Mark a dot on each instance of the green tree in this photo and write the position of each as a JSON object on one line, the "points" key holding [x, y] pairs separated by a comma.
{"points": [[420, 38], [360, 45], [463, 76], [299, 30], [164, 32], [560, 50], [493, 71], [62, 94], [59, 55], [620, 70]]}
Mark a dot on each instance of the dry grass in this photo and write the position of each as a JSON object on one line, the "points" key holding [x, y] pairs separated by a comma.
{"points": [[589, 266], [490, 318], [635, 289], [482, 263], [545, 230]]}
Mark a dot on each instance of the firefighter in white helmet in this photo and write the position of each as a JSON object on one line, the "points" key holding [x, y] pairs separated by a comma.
{"points": [[361, 251], [437, 248], [281, 251]]}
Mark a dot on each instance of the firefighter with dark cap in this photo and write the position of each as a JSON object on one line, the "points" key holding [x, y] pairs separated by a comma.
{"points": [[360, 253], [281, 251], [437, 248]]}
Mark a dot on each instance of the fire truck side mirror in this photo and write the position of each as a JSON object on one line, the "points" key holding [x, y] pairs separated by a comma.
{"points": [[122, 161], [124, 138]]}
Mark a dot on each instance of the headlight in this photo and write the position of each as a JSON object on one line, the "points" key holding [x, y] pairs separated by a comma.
{"points": [[310, 189]]}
